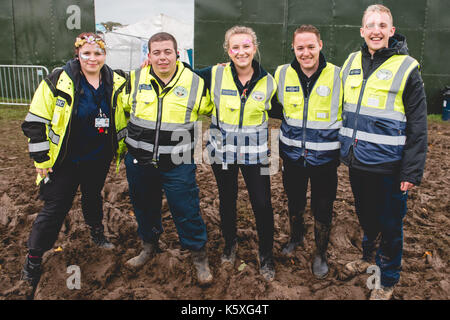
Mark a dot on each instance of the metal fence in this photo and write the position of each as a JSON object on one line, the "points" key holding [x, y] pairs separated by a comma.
{"points": [[18, 83]]}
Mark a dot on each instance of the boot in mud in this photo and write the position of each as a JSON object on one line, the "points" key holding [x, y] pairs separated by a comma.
{"points": [[267, 266], [229, 253], [297, 231], [30, 276], [200, 261], [148, 250], [321, 236], [98, 237]]}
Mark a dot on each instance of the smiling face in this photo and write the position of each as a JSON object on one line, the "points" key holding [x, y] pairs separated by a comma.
{"points": [[376, 30], [92, 58], [163, 58], [307, 51], [241, 50]]}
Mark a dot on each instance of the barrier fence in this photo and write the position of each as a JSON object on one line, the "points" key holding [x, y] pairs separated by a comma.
{"points": [[18, 83]]}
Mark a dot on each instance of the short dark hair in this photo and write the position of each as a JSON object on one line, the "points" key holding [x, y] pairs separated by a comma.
{"points": [[306, 28], [163, 36]]}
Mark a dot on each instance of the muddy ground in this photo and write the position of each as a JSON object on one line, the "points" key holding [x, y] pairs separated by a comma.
{"points": [[170, 275]]}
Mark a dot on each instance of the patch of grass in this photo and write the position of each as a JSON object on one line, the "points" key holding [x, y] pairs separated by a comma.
{"points": [[436, 118], [9, 112]]}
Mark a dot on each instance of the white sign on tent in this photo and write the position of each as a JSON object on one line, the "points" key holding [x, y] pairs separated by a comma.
{"points": [[127, 46]]}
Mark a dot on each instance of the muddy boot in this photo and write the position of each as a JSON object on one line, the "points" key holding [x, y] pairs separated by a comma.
{"points": [[31, 272], [200, 261], [297, 231], [357, 266], [148, 249], [267, 266], [383, 293], [229, 253], [321, 237], [98, 237]]}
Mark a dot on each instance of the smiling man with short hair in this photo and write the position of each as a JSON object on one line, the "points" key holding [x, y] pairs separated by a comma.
{"points": [[383, 140]]}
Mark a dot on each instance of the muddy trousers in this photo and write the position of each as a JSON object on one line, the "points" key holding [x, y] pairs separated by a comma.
{"points": [[324, 182], [258, 187], [146, 185], [381, 207], [58, 195]]}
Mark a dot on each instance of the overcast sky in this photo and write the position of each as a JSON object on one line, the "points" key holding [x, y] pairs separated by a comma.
{"points": [[131, 11]]}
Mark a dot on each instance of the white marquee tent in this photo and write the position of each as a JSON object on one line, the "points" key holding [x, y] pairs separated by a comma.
{"points": [[127, 46]]}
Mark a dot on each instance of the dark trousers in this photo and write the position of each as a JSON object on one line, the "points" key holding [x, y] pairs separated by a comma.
{"points": [[258, 187], [381, 207], [147, 183], [323, 189], [58, 196]]}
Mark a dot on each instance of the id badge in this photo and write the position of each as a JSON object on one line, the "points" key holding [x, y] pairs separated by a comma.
{"points": [[102, 122]]}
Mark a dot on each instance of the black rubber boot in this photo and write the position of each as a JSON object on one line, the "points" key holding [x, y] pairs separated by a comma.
{"points": [[321, 237], [297, 232], [229, 253], [200, 261], [98, 237], [32, 271], [267, 266]]}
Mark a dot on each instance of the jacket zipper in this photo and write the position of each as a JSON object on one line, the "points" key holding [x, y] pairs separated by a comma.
{"points": [[158, 128], [305, 119], [241, 111], [358, 107], [115, 143]]}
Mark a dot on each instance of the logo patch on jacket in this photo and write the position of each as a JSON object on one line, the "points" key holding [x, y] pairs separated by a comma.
{"points": [[60, 103], [293, 89], [355, 71], [180, 92], [258, 96], [323, 91], [144, 86], [384, 74], [226, 92]]}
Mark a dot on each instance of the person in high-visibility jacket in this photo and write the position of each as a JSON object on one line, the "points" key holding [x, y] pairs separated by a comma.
{"points": [[383, 140], [75, 126], [165, 99], [241, 94], [309, 91]]}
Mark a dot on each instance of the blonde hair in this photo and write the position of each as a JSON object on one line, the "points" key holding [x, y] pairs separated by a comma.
{"points": [[241, 30], [377, 8]]}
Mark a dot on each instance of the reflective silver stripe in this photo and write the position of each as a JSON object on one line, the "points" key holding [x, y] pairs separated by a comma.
{"points": [[40, 146], [161, 149], [318, 146], [336, 95], [139, 144], [137, 75], [397, 82], [122, 134], [314, 124], [346, 71], [269, 92], [217, 87], [176, 149], [53, 136], [34, 118], [148, 124], [374, 112], [323, 146], [235, 127], [192, 97], [290, 142], [374, 138], [281, 83]]}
